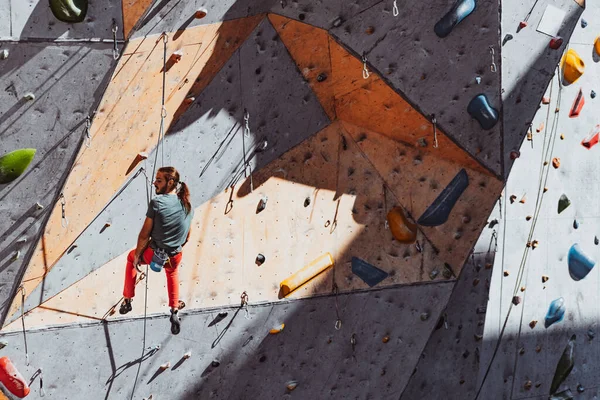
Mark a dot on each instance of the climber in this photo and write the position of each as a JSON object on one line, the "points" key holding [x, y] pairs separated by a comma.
{"points": [[166, 228]]}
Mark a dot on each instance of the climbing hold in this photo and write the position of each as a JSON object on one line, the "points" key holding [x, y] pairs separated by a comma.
{"points": [[370, 274], [69, 10], [478, 80], [4, 54], [165, 365], [16, 256], [523, 199], [580, 388], [176, 57], [29, 96], [187, 355], [448, 272], [555, 313], [200, 13], [277, 329], [562, 136], [532, 324], [583, 23], [535, 244], [385, 339], [515, 154], [215, 363], [189, 100], [564, 366], [138, 158], [590, 334], [538, 348], [433, 274], [545, 278], [507, 37], [540, 127], [573, 66], [522, 25], [13, 164], [402, 229], [528, 218], [575, 224], [564, 395], [291, 385], [460, 10], [337, 22], [577, 105], [321, 77], [528, 385], [545, 100], [593, 94], [516, 300], [260, 259], [512, 198], [596, 241], [563, 203], [262, 204], [580, 264], [597, 45], [592, 139], [480, 109], [555, 43], [3, 344], [424, 316], [12, 379], [370, 30], [506, 273], [305, 274], [439, 211], [556, 162], [307, 202]]}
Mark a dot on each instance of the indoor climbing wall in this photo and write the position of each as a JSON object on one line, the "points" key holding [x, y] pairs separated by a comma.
{"points": [[545, 286], [344, 135]]}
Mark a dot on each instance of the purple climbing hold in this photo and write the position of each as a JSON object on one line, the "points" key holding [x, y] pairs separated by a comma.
{"points": [[461, 10], [580, 264], [480, 109], [555, 313]]}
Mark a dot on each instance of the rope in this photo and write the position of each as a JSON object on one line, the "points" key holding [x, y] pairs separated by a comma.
{"points": [[547, 149], [22, 288]]}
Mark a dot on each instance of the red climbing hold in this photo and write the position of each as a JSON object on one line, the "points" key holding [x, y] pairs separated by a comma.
{"points": [[522, 24], [556, 42], [12, 379], [592, 139], [577, 105]]}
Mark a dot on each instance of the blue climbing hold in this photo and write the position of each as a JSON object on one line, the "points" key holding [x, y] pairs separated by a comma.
{"points": [[367, 272], [461, 10], [555, 313], [579, 263], [437, 213], [480, 109]]}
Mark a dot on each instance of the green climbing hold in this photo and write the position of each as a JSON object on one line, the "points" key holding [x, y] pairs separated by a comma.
{"points": [[13, 164], [69, 10], [564, 367], [563, 203]]}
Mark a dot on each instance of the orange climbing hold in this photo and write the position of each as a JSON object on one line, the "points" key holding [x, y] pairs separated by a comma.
{"points": [[597, 45], [277, 329], [402, 229], [573, 66], [12, 379], [592, 139], [577, 105], [305, 274]]}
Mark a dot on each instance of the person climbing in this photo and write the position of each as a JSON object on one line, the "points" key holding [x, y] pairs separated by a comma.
{"points": [[166, 230]]}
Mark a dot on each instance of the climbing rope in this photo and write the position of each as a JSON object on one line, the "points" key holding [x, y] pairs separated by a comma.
{"points": [[22, 289], [115, 28], [547, 150], [395, 10], [246, 161], [64, 222]]}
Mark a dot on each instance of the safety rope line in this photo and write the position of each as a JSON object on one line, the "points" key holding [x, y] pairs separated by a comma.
{"points": [[547, 150], [22, 288], [334, 286]]}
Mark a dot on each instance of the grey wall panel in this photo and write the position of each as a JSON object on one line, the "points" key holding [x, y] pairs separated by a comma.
{"points": [[67, 81], [5, 18], [324, 14], [251, 363], [34, 19], [529, 64], [207, 145], [169, 16], [436, 75]]}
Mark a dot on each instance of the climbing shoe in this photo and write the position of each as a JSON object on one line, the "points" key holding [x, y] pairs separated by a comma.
{"points": [[125, 306], [175, 323]]}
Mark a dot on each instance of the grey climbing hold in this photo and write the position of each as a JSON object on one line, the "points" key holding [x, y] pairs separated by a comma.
{"points": [[69, 10], [555, 313], [507, 37], [337, 22], [4, 54], [563, 203], [461, 10], [596, 241], [580, 388], [583, 23], [215, 363], [480, 109], [591, 334], [439, 211], [593, 94], [29, 96], [564, 366], [448, 272], [370, 274]]}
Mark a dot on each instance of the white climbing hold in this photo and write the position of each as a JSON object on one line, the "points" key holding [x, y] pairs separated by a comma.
{"points": [[478, 79], [291, 385], [4, 54], [17, 255], [39, 206], [187, 355], [165, 365], [29, 96]]}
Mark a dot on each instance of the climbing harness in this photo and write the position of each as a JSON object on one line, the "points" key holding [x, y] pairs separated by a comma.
{"points": [[22, 289], [64, 222], [493, 66], [88, 137], [395, 10], [365, 71], [434, 122], [244, 304], [115, 28]]}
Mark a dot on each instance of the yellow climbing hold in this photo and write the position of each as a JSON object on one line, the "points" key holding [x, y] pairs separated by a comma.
{"points": [[276, 330], [402, 229], [573, 66], [597, 45], [305, 274]]}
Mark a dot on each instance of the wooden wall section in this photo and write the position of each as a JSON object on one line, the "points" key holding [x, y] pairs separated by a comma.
{"points": [[132, 12]]}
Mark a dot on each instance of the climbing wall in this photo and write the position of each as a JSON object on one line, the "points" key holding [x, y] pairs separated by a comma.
{"points": [[303, 130]]}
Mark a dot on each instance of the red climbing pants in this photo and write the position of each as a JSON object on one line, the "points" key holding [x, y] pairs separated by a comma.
{"points": [[171, 270]]}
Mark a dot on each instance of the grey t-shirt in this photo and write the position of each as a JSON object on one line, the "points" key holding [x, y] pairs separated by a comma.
{"points": [[171, 223]]}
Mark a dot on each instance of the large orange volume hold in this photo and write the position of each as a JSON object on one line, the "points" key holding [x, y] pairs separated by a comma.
{"points": [[12, 379]]}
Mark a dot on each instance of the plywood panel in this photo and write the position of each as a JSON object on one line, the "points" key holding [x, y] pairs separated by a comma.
{"points": [[309, 47], [132, 11]]}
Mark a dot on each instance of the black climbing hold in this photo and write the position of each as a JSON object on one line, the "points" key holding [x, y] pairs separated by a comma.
{"points": [[262, 204], [438, 212], [307, 202], [563, 203], [370, 274], [565, 365], [507, 37], [321, 77], [583, 23], [448, 272], [575, 224], [580, 264], [480, 109], [460, 10], [69, 10], [13, 164], [593, 94], [591, 334], [555, 313], [596, 241], [215, 363], [261, 146], [260, 259], [262, 358], [301, 17]]}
